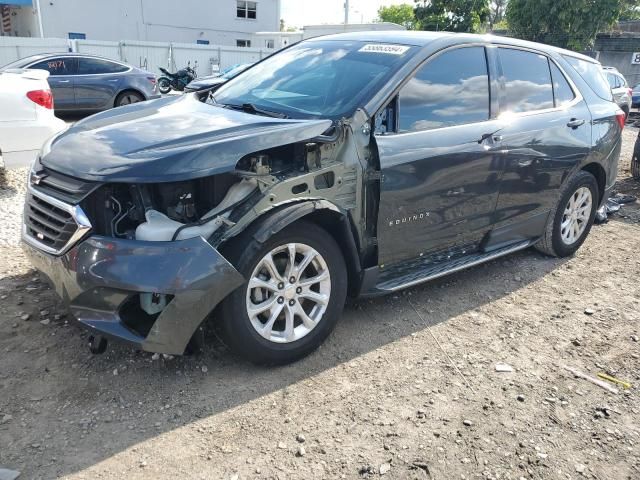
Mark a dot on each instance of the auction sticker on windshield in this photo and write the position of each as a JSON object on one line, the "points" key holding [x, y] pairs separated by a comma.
{"points": [[382, 48]]}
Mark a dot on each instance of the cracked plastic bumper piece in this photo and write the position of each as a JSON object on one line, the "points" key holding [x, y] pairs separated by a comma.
{"points": [[101, 279]]}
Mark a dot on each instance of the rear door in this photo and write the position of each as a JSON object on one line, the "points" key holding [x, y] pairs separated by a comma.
{"points": [[98, 82], [546, 132], [439, 160], [61, 80]]}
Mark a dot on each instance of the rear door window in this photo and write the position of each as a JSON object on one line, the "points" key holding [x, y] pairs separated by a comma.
{"points": [[593, 75], [452, 89], [562, 91], [527, 81], [97, 66], [57, 66]]}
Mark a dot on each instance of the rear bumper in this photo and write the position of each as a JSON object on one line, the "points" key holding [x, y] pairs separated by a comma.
{"points": [[20, 142], [100, 280]]}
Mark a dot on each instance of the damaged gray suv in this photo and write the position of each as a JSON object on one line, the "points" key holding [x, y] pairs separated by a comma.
{"points": [[354, 164]]}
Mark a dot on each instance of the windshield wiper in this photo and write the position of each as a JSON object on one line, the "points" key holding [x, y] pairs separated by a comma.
{"points": [[251, 108]]}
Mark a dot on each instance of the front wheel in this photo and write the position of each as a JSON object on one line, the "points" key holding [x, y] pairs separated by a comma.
{"points": [[296, 284], [571, 219], [635, 161], [164, 85]]}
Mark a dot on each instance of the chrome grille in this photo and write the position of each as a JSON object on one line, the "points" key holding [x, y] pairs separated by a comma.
{"points": [[52, 225]]}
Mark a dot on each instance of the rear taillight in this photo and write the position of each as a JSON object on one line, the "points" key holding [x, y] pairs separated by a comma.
{"points": [[152, 80], [42, 98], [630, 90], [621, 117]]}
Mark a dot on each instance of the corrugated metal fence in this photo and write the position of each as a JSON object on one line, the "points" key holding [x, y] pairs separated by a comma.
{"points": [[147, 55]]}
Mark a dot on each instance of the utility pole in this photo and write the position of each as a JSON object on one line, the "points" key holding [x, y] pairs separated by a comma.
{"points": [[346, 12], [39, 16]]}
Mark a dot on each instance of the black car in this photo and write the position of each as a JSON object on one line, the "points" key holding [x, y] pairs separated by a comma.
{"points": [[204, 85], [353, 164]]}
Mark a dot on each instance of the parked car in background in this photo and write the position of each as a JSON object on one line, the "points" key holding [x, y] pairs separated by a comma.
{"points": [[620, 89], [87, 83], [359, 163], [26, 116], [635, 96], [204, 85]]}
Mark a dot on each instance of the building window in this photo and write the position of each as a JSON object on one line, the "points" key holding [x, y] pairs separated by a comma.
{"points": [[269, 44], [243, 43], [246, 9], [77, 36], [202, 42]]}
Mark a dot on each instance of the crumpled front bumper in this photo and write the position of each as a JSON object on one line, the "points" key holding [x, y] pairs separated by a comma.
{"points": [[101, 277]]}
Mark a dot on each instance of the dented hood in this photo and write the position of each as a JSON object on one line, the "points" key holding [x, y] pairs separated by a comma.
{"points": [[170, 139]]}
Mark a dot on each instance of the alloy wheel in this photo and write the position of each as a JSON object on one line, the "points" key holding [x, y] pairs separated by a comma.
{"points": [[288, 293], [128, 99], [576, 216]]}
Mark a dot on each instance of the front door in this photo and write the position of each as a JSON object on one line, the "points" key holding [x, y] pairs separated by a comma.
{"points": [[61, 80], [441, 163]]}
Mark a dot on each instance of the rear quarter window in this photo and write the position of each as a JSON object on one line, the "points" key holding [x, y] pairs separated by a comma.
{"points": [[592, 74]]}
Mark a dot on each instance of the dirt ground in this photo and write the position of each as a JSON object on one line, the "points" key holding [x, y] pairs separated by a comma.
{"points": [[392, 392]]}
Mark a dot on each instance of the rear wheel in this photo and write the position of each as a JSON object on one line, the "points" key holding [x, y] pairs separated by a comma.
{"points": [[571, 219], [292, 299], [164, 85], [635, 161], [128, 97]]}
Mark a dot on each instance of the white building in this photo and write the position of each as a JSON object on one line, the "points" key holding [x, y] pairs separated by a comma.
{"points": [[215, 22]]}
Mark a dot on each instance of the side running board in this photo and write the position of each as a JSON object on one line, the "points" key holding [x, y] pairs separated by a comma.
{"points": [[432, 271]]}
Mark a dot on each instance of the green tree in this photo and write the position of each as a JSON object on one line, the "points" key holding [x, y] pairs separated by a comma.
{"points": [[400, 14], [630, 10], [452, 15], [565, 23], [496, 12]]}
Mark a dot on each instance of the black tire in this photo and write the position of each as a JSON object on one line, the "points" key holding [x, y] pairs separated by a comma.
{"points": [[551, 242], [635, 162], [128, 97], [235, 325], [164, 85]]}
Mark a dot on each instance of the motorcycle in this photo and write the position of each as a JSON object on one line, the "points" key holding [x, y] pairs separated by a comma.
{"points": [[175, 81]]}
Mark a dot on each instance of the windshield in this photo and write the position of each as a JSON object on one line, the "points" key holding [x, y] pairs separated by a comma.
{"points": [[327, 79], [235, 70]]}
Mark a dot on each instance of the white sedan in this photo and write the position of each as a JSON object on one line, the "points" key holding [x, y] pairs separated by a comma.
{"points": [[26, 116]]}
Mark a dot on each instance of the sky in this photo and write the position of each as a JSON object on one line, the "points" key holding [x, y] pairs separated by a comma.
{"points": [[298, 13]]}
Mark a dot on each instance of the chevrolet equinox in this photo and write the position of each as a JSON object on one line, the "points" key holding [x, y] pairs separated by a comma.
{"points": [[352, 164]]}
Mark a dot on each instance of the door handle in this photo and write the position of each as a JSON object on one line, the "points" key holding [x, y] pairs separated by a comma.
{"points": [[62, 81], [575, 123]]}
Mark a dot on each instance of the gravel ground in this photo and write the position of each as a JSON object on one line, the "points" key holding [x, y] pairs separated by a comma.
{"points": [[406, 387], [12, 190]]}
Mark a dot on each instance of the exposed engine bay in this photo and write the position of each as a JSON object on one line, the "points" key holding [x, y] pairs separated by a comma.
{"points": [[210, 207]]}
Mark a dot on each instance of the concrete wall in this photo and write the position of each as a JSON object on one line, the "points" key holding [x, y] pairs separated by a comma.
{"points": [[206, 59], [147, 20], [616, 50]]}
